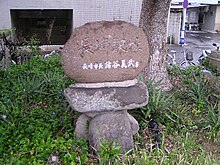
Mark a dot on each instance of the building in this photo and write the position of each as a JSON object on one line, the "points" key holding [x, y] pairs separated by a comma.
{"points": [[210, 20], [200, 15], [54, 20], [204, 15]]}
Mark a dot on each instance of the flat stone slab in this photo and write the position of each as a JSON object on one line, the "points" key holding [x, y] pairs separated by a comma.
{"points": [[126, 83], [105, 51], [107, 98]]}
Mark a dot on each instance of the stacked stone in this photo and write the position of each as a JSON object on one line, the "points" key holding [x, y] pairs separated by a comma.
{"points": [[104, 58]]}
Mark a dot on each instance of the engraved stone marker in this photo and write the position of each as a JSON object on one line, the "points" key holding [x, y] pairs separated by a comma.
{"points": [[104, 58], [105, 51]]}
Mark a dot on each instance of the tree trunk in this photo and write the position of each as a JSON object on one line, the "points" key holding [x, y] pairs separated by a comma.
{"points": [[153, 20], [49, 30]]}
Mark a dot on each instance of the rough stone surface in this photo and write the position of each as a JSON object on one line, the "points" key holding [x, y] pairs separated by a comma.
{"points": [[113, 126], [83, 121], [134, 124], [107, 98], [105, 51], [133, 121], [82, 126]]}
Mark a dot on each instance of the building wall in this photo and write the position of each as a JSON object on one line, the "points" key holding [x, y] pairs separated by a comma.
{"points": [[6, 5], [40, 4], [209, 19], [173, 35], [83, 10], [97, 10], [217, 19], [192, 15], [5, 19]]}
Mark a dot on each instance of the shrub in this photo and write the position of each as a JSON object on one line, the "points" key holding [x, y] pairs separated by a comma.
{"points": [[35, 122]]}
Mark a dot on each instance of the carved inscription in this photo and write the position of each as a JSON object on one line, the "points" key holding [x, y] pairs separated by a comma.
{"points": [[105, 51], [112, 64], [108, 43]]}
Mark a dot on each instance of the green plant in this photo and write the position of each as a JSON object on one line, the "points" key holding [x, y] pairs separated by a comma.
{"points": [[36, 123], [183, 149], [200, 94], [108, 152], [194, 87], [34, 45], [206, 63], [158, 103], [211, 121], [5, 31]]}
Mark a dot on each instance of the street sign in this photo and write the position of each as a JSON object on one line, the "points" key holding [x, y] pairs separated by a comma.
{"points": [[185, 4], [182, 39]]}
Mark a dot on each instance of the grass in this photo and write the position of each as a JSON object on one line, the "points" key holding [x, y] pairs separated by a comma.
{"points": [[5, 31], [36, 122]]}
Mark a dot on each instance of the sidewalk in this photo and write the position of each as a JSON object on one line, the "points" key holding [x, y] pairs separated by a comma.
{"points": [[195, 41]]}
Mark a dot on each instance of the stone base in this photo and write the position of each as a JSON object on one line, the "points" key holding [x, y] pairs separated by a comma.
{"points": [[118, 127], [104, 111], [82, 127]]}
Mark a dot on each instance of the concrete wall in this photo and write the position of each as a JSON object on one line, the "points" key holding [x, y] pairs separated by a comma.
{"points": [[209, 19], [92, 10], [83, 10], [217, 19], [40, 4], [192, 15], [173, 35], [6, 5], [5, 19]]}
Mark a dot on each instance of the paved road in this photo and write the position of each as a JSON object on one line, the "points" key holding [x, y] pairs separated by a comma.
{"points": [[196, 41]]}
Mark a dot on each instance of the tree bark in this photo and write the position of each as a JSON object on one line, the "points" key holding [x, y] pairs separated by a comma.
{"points": [[153, 20], [49, 30]]}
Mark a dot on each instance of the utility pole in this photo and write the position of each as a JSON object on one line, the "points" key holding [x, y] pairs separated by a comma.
{"points": [[182, 32]]}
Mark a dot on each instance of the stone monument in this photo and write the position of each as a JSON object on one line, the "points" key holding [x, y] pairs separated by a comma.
{"points": [[104, 58]]}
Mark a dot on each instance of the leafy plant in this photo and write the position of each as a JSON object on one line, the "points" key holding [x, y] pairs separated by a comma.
{"points": [[211, 121], [200, 95], [36, 123], [158, 103], [5, 31], [206, 63], [34, 45], [108, 152]]}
